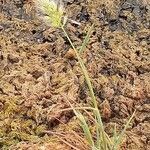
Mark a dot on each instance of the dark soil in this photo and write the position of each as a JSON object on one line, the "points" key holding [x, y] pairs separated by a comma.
{"points": [[38, 77]]}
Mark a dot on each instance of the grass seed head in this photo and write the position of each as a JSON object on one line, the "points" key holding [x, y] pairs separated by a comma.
{"points": [[51, 11]]}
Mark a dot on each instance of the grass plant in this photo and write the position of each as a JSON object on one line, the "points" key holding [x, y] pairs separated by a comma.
{"points": [[53, 13]]}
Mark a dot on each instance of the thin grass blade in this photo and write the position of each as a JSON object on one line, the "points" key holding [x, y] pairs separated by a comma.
{"points": [[98, 144], [84, 126], [115, 134], [119, 139], [86, 40]]}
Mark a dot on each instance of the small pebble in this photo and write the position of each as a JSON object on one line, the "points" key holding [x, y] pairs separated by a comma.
{"points": [[70, 54], [13, 58], [1, 28]]}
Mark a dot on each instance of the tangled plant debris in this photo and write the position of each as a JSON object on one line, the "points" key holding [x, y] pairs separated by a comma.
{"points": [[40, 74], [54, 13]]}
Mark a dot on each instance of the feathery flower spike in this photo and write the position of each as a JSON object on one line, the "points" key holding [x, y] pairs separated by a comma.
{"points": [[52, 11]]}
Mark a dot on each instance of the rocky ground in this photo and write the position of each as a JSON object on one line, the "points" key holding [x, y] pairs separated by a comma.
{"points": [[39, 73]]}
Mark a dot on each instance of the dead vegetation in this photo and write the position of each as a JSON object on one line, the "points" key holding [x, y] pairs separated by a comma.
{"points": [[39, 74]]}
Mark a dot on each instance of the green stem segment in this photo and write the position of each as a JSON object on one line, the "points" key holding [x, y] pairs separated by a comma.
{"points": [[102, 136], [87, 78], [83, 69]]}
